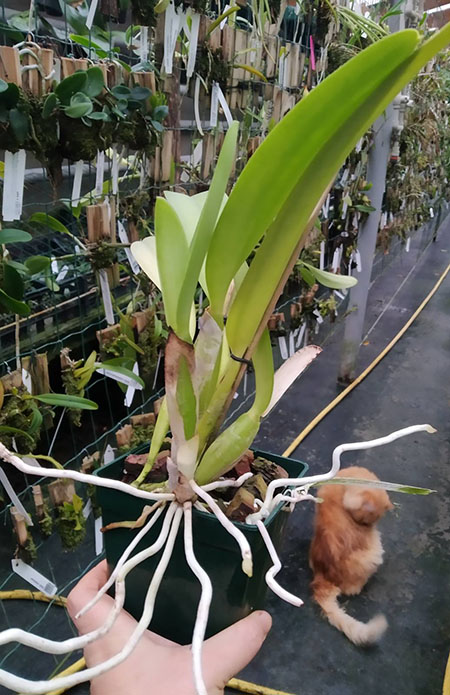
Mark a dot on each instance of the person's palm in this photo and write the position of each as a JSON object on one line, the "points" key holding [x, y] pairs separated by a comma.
{"points": [[158, 666]]}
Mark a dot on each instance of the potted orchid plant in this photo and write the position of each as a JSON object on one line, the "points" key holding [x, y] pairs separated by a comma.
{"points": [[208, 239]]}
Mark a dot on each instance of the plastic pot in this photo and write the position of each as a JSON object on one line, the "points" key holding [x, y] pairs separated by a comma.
{"points": [[234, 594]]}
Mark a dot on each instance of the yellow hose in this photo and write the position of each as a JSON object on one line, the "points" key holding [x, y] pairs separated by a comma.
{"points": [[446, 686], [304, 433], [25, 594], [73, 668], [252, 688]]}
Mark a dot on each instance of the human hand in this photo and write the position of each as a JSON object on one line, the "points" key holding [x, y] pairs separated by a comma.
{"points": [[158, 666]]}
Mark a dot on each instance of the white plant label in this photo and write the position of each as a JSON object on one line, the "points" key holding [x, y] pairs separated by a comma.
{"points": [[115, 170], [99, 172], [171, 30], [431, 213], [87, 509], [131, 390], [34, 577], [345, 176], [98, 535], [322, 256], [31, 461], [340, 295], [76, 186], [121, 378], [106, 294], [408, 243], [214, 112], [245, 382], [383, 221], [198, 120], [283, 347], [301, 333], [224, 21], [197, 153], [109, 455], [123, 236], [143, 44], [335, 263], [358, 261], [54, 265], [291, 343], [326, 206], [62, 273], [225, 107], [26, 380], [91, 14], [318, 315], [14, 498], [13, 183], [193, 42], [281, 69]]}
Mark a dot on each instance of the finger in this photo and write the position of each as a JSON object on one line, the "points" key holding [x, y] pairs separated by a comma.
{"points": [[231, 650], [83, 592]]}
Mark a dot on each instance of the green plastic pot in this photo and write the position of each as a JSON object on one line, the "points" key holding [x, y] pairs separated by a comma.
{"points": [[234, 594]]}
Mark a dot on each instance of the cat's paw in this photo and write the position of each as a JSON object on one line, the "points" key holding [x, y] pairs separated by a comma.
{"points": [[376, 628]]}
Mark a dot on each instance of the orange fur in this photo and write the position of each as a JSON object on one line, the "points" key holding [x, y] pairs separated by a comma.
{"points": [[346, 550]]}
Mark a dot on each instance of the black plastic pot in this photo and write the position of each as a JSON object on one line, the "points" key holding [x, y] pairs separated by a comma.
{"points": [[234, 594]]}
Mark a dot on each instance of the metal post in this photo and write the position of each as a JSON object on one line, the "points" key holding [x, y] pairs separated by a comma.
{"points": [[367, 238]]}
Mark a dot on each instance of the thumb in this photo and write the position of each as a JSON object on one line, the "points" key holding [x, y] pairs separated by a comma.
{"points": [[231, 650]]}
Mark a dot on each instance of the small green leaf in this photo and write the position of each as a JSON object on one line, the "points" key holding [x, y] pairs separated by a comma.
{"points": [[10, 96], [331, 280], [140, 93], [65, 401], [77, 503], [13, 236], [49, 221], [307, 275], [365, 208], [15, 431], [50, 105], [36, 421], [70, 86], [99, 116], [13, 283], [80, 105], [95, 82], [14, 306], [120, 91], [120, 371], [36, 264]]}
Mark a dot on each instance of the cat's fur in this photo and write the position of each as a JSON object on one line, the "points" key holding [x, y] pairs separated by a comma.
{"points": [[346, 550]]}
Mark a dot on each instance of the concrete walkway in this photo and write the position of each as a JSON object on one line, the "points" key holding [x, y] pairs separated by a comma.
{"points": [[304, 654]]}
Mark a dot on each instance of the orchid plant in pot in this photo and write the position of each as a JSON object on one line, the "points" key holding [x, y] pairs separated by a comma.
{"points": [[207, 239]]}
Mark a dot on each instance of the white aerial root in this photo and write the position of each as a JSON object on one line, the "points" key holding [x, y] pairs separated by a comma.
{"points": [[122, 560], [247, 562], [227, 483], [268, 505], [57, 647], [24, 685], [204, 604], [276, 567], [81, 477]]}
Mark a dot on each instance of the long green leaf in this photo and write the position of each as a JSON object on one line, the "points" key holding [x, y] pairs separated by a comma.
{"points": [[332, 280], [378, 485], [13, 305], [205, 227], [172, 253], [13, 236], [306, 149], [65, 401], [15, 432], [370, 81]]}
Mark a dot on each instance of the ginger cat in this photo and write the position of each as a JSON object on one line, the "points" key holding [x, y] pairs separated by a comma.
{"points": [[346, 550]]}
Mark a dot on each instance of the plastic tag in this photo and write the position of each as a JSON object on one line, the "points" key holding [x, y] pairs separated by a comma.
{"points": [[128, 381], [115, 170], [14, 498], [193, 42], [131, 390], [98, 536], [291, 343], [198, 120], [301, 333], [322, 256], [408, 243], [431, 213], [123, 236], [214, 112], [34, 577], [197, 153], [26, 380], [224, 105], [335, 264], [340, 295], [13, 183], [143, 44], [106, 294], [91, 14], [62, 273], [87, 509], [171, 30], [318, 316], [99, 172], [109, 455], [224, 21], [358, 261], [31, 461], [283, 347], [359, 145], [76, 186], [245, 383]]}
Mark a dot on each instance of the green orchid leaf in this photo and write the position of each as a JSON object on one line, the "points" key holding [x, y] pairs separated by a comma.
{"points": [[331, 280], [95, 82], [14, 306], [20, 124], [140, 93], [50, 105], [49, 221], [365, 208], [71, 85], [205, 227], [36, 421], [116, 366], [307, 275], [99, 116], [172, 253], [14, 236], [10, 97], [378, 485], [80, 105], [37, 264], [16, 432], [65, 401], [13, 283]]}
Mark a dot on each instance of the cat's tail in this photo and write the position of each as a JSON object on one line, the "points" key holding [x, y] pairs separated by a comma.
{"points": [[361, 634]]}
